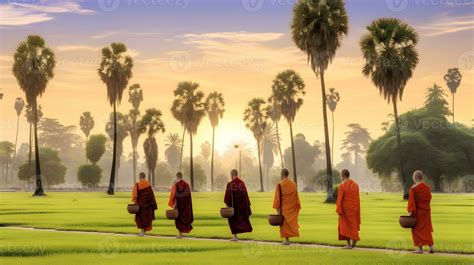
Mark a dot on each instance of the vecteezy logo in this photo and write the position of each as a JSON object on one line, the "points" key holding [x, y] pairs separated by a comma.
{"points": [[180, 62], [108, 247], [396, 5], [466, 60], [108, 5], [252, 250], [252, 5]]}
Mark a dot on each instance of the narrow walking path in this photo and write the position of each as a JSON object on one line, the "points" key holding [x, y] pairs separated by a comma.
{"points": [[243, 241]]}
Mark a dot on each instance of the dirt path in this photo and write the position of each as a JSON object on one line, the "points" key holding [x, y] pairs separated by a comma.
{"points": [[243, 241]]}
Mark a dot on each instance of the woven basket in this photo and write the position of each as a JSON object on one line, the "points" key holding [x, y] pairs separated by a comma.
{"points": [[275, 219], [407, 221], [133, 208], [227, 212], [172, 214]]}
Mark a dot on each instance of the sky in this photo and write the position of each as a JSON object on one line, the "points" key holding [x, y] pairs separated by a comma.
{"points": [[235, 47]]}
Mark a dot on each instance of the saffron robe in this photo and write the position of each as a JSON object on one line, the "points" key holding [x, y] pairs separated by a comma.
{"points": [[348, 208], [419, 203], [181, 197], [290, 206], [145, 198], [240, 222]]}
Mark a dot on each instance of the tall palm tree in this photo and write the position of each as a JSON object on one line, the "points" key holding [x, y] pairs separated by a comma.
{"points": [[317, 29], [86, 122], [33, 68], [390, 57], [19, 105], [274, 113], [30, 118], [215, 111], [179, 116], [135, 97], [190, 108], [357, 140], [120, 132], [270, 149], [332, 99], [151, 123], [172, 151], [255, 119], [115, 71], [453, 80], [288, 90]]}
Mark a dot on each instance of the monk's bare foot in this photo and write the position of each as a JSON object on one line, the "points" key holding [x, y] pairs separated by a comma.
{"points": [[234, 238], [432, 251], [418, 251], [286, 242], [347, 247], [179, 236]]}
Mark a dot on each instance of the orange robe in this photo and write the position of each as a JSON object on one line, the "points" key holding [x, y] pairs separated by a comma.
{"points": [[348, 208], [290, 206], [419, 203], [145, 198]]}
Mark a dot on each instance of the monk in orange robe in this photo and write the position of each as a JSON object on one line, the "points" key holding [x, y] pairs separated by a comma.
{"points": [[236, 196], [419, 205], [289, 206], [143, 195], [180, 198], [348, 209]]}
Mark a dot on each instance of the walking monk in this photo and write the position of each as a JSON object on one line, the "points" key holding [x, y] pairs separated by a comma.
{"points": [[348, 209], [289, 207], [180, 198], [143, 195], [236, 196], [419, 205]]}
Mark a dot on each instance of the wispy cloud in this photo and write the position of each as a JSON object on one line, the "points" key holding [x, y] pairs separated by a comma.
{"points": [[89, 48], [20, 14], [115, 33], [446, 24]]}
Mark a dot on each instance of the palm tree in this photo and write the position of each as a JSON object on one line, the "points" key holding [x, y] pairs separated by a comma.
{"points": [[172, 151], [115, 71], [30, 119], [135, 97], [357, 141], [255, 119], [332, 99], [33, 68], [317, 29], [270, 149], [119, 132], [215, 110], [453, 80], [190, 109], [274, 113], [389, 51], [206, 150], [151, 123], [19, 104], [86, 122], [288, 90]]}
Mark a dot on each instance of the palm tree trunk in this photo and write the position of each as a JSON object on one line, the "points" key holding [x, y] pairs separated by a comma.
{"points": [[399, 143], [134, 147], [332, 140], [86, 149], [29, 153], [16, 142], [39, 185], [260, 165], [279, 145], [330, 195], [293, 156], [182, 150], [110, 191], [453, 108], [212, 159], [191, 169]]}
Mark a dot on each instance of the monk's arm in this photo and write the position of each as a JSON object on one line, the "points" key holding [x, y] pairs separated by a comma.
{"points": [[411, 208], [276, 199], [171, 202], [340, 194], [227, 199], [134, 194]]}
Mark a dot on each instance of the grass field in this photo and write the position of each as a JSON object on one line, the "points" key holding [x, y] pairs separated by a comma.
{"points": [[453, 217]]}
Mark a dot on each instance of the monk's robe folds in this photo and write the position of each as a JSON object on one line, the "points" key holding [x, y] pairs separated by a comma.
{"points": [[181, 195], [419, 203], [147, 203], [348, 208], [240, 222], [290, 208]]}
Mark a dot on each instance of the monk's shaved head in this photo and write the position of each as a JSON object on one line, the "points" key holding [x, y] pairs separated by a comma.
{"points": [[345, 173], [142, 175], [234, 173], [285, 173], [418, 175], [179, 175]]}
